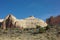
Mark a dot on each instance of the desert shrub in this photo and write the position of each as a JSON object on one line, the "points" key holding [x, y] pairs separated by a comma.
{"points": [[40, 29], [26, 29], [48, 27], [16, 29]]}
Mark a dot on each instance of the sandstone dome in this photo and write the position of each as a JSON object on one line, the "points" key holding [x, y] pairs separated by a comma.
{"points": [[36, 21], [30, 22], [42, 23]]}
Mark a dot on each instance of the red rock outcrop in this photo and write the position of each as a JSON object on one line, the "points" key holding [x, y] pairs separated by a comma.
{"points": [[53, 20]]}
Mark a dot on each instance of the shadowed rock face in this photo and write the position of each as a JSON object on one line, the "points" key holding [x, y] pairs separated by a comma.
{"points": [[53, 20], [8, 22]]}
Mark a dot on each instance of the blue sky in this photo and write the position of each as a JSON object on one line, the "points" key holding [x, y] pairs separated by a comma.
{"points": [[24, 8]]}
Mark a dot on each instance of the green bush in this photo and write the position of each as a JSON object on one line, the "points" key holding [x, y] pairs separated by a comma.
{"points": [[48, 27], [40, 29]]}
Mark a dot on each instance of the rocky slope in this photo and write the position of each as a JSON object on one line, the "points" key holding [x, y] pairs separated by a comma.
{"points": [[53, 33]]}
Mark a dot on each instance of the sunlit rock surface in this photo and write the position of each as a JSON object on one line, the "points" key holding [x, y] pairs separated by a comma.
{"points": [[30, 22]]}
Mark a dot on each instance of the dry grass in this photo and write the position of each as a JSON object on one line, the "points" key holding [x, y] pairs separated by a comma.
{"points": [[15, 34]]}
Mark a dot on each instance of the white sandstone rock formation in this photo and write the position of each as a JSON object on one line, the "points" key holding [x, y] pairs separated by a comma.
{"points": [[30, 22], [13, 18]]}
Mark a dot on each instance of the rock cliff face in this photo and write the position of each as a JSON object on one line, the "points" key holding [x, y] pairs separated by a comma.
{"points": [[53, 20], [10, 22], [30, 22]]}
